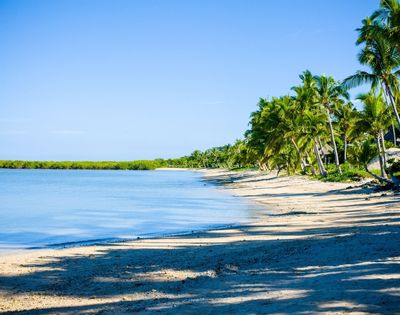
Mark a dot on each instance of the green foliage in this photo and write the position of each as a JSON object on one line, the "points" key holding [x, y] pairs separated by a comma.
{"points": [[238, 155], [349, 173], [362, 152], [88, 165]]}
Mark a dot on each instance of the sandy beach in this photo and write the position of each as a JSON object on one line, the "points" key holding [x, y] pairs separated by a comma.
{"points": [[319, 248]]}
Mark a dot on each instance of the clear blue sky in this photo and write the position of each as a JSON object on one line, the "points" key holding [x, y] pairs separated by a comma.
{"points": [[119, 80]]}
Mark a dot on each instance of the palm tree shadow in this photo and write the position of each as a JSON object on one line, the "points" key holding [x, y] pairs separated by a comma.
{"points": [[274, 276]]}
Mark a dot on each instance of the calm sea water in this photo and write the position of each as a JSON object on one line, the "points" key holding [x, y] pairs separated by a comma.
{"points": [[41, 208]]}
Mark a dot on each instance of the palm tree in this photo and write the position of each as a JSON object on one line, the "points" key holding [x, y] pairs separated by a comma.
{"points": [[278, 132], [387, 21], [256, 136], [309, 114], [383, 58], [329, 93], [374, 120], [346, 117], [369, 30], [314, 126], [368, 151], [286, 125]]}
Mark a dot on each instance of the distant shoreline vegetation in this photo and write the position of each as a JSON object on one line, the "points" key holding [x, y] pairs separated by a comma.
{"points": [[218, 157], [83, 165]]}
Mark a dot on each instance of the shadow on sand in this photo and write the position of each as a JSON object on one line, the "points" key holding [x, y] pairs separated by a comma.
{"points": [[353, 268]]}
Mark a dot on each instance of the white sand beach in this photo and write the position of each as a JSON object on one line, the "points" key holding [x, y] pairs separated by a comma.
{"points": [[328, 248]]}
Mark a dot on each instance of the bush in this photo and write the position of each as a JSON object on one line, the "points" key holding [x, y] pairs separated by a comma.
{"points": [[349, 174]]}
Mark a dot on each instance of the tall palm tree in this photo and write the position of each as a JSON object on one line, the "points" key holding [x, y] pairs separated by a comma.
{"points": [[369, 30], [383, 58], [273, 124], [309, 113], [387, 18], [256, 136], [346, 117], [329, 93], [314, 126], [375, 119]]}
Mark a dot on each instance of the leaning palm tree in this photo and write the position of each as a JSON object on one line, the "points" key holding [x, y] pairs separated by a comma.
{"points": [[384, 61], [309, 117], [328, 94], [283, 122], [276, 122], [314, 127], [276, 134], [256, 136]]}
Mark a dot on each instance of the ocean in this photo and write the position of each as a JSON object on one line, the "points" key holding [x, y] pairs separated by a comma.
{"points": [[60, 208]]}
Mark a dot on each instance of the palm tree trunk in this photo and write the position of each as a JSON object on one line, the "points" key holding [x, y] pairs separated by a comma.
{"points": [[381, 179], [383, 149], [309, 162], [321, 167], [321, 147], [394, 135], [262, 166], [288, 168], [378, 141], [345, 149], [392, 102], [298, 154], [334, 143]]}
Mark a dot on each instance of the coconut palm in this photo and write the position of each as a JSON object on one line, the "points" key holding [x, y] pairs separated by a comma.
{"points": [[308, 115], [328, 94], [374, 120], [346, 117], [367, 152], [284, 123], [277, 133], [314, 127], [256, 136], [384, 61], [386, 20], [369, 30]]}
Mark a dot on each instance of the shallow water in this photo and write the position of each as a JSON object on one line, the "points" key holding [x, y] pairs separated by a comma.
{"points": [[42, 208]]}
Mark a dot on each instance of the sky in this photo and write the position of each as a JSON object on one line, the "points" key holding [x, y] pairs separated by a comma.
{"points": [[143, 79]]}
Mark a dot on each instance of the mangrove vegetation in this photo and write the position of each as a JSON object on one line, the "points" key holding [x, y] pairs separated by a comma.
{"points": [[89, 165]]}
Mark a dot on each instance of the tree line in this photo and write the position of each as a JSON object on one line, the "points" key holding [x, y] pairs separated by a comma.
{"points": [[89, 165], [316, 129]]}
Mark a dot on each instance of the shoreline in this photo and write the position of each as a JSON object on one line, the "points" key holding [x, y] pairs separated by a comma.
{"points": [[316, 238], [111, 241]]}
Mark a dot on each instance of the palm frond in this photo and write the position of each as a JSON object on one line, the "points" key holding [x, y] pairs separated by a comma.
{"points": [[360, 78]]}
